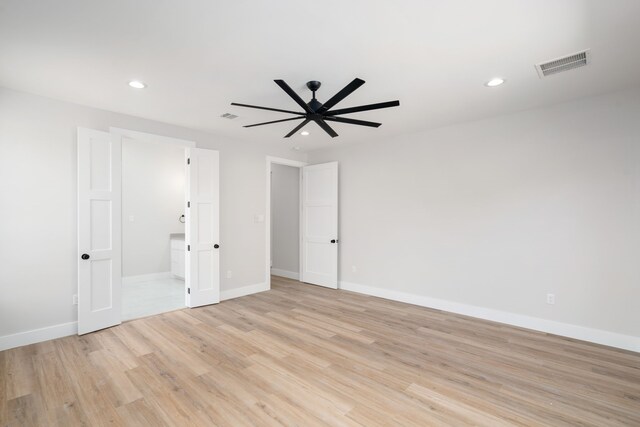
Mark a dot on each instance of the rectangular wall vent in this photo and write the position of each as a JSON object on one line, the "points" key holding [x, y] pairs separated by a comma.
{"points": [[565, 63], [229, 116]]}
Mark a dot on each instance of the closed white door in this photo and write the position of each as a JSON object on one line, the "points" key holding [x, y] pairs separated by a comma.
{"points": [[320, 224], [202, 273], [99, 230]]}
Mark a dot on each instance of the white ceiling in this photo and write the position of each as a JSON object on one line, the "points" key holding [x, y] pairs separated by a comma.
{"points": [[197, 56]]}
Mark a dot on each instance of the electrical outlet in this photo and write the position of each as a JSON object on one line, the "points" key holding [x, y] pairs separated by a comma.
{"points": [[354, 269], [551, 299], [131, 218], [75, 299], [229, 274]]}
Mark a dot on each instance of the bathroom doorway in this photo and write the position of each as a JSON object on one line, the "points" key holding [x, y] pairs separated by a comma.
{"points": [[100, 218], [153, 228]]}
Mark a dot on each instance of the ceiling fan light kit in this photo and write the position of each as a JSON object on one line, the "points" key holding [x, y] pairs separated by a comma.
{"points": [[321, 113]]}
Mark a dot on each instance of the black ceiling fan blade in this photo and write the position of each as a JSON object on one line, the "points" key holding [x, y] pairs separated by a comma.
{"points": [[352, 121], [274, 121], [293, 95], [346, 91], [297, 128], [267, 108], [326, 128], [363, 108]]}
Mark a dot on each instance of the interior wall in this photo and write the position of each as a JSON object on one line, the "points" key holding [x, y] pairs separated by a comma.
{"points": [[285, 220], [500, 212], [38, 204], [153, 186]]}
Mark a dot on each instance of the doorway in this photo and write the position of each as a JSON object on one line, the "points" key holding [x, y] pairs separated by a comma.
{"points": [[318, 222], [153, 228], [296, 166], [285, 221]]}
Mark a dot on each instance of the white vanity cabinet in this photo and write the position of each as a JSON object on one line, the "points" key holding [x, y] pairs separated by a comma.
{"points": [[177, 255]]}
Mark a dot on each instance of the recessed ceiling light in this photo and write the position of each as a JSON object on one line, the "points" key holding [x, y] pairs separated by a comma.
{"points": [[494, 82], [304, 133], [137, 84]]}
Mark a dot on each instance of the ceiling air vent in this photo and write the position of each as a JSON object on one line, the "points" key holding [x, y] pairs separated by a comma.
{"points": [[566, 63], [229, 116]]}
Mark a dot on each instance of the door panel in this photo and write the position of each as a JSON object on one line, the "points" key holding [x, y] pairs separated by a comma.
{"points": [[202, 274], [101, 284], [320, 224], [99, 230]]}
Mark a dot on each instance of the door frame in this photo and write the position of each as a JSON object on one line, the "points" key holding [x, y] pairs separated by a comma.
{"points": [[286, 162]]}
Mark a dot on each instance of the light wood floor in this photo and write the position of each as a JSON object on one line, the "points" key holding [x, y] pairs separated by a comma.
{"points": [[304, 355]]}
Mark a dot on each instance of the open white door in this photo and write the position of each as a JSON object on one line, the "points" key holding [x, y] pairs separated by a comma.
{"points": [[202, 274], [99, 230], [320, 224]]}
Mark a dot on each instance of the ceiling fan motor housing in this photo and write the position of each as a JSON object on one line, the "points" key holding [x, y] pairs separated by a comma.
{"points": [[314, 104]]}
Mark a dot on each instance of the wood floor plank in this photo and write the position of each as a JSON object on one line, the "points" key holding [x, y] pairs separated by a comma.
{"points": [[20, 375], [310, 356], [59, 399], [95, 395], [140, 414], [26, 410]]}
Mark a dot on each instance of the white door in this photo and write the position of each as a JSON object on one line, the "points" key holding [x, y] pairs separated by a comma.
{"points": [[320, 224], [99, 230], [202, 273]]}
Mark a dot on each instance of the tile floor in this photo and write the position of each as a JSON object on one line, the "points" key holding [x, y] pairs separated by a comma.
{"points": [[151, 297]]}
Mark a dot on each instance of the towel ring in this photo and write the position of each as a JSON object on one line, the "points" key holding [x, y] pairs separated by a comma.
{"points": [[181, 219]]}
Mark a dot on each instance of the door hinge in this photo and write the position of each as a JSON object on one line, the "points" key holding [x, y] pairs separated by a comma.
{"points": [[188, 204], [188, 248], [189, 291], [189, 161]]}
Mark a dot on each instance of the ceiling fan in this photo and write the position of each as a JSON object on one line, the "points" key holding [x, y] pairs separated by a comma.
{"points": [[322, 113]]}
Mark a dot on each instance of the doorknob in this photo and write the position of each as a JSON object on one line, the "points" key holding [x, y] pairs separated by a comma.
{"points": [[334, 240], [85, 256], [216, 246]]}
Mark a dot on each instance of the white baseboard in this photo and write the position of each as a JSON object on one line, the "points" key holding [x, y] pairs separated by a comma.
{"points": [[598, 336], [128, 280], [285, 273], [38, 335], [243, 291]]}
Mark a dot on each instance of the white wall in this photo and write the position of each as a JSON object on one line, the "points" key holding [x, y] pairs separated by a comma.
{"points": [[153, 186], [497, 213], [38, 239], [285, 220], [494, 213]]}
